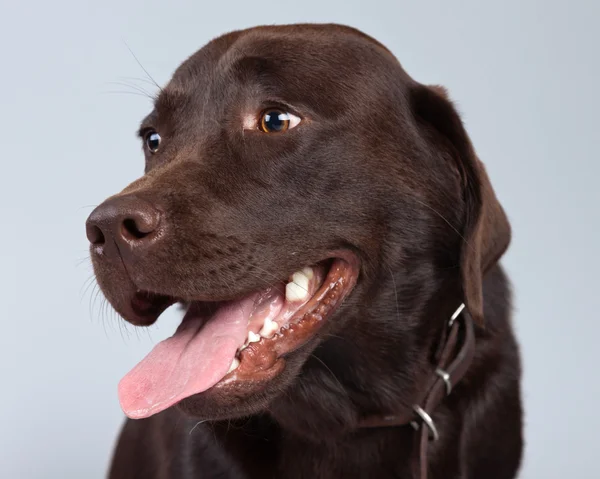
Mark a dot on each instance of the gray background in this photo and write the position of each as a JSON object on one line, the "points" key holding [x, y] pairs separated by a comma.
{"points": [[525, 76]]}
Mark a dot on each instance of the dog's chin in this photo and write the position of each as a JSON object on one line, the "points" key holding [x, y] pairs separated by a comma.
{"points": [[230, 358]]}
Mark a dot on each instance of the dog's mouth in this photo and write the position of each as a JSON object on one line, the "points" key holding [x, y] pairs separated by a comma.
{"points": [[240, 341]]}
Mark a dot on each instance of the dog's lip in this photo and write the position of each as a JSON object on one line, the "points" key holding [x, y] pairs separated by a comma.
{"points": [[146, 305], [264, 360]]}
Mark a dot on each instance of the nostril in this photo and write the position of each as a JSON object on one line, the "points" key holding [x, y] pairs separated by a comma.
{"points": [[141, 223], [132, 230], [125, 221], [95, 235]]}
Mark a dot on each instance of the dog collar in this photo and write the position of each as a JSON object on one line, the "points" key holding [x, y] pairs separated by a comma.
{"points": [[454, 357]]}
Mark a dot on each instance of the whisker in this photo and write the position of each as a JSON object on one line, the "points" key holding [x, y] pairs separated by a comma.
{"points": [[278, 280], [280, 284], [95, 298], [266, 272], [86, 286], [143, 80], [91, 301], [444, 218], [134, 87], [335, 336], [137, 333], [97, 288], [83, 260], [123, 327], [332, 374], [142, 66], [111, 92], [196, 425], [395, 290]]}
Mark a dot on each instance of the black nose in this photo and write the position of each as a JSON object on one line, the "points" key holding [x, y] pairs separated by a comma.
{"points": [[131, 222]]}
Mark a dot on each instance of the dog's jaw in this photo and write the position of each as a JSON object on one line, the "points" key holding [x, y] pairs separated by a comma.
{"points": [[242, 342]]}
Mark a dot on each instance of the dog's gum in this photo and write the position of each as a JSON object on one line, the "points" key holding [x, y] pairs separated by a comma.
{"points": [[263, 355]]}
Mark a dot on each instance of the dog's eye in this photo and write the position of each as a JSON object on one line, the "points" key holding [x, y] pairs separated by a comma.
{"points": [[276, 121], [152, 140]]}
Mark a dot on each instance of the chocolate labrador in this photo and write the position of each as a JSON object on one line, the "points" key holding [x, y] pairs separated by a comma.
{"points": [[325, 223]]}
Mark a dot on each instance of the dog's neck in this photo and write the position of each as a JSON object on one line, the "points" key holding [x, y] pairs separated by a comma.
{"points": [[455, 351]]}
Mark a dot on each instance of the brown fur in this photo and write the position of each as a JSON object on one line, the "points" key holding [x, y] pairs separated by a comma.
{"points": [[382, 166]]}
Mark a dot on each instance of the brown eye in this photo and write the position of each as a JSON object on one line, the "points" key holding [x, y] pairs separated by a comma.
{"points": [[277, 121]]}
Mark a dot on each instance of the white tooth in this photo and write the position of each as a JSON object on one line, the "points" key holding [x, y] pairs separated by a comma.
{"points": [[293, 292], [253, 337], [301, 279], [308, 272], [297, 289], [267, 324], [269, 328], [242, 347], [234, 365]]}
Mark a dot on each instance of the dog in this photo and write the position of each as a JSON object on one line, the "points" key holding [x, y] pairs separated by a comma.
{"points": [[325, 223]]}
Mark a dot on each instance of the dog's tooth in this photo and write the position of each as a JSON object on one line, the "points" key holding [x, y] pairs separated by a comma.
{"points": [[253, 337], [308, 272], [234, 365], [301, 279], [269, 328], [265, 326], [297, 289], [293, 292]]}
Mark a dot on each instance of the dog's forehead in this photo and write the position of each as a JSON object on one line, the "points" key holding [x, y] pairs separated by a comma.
{"points": [[317, 43], [315, 61]]}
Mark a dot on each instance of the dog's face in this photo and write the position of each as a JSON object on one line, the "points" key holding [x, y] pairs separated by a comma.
{"points": [[307, 202]]}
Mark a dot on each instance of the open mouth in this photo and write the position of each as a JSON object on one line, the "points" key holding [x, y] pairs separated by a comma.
{"points": [[245, 340]]}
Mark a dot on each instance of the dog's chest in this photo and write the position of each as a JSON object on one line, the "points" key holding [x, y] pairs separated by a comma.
{"points": [[265, 453]]}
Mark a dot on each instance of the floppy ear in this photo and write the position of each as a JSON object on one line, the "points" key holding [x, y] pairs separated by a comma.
{"points": [[486, 230]]}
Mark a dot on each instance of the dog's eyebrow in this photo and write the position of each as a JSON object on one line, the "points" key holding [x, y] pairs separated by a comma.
{"points": [[146, 123], [168, 100], [253, 65], [266, 75]]}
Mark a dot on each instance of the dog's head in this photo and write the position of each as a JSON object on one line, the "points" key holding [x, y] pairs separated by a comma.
{"points": [[319, 214]]}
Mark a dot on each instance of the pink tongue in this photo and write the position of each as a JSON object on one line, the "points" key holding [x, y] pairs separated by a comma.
{"points": [[193, 360]]}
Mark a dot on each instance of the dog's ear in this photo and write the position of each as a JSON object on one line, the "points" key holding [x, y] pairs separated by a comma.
{"points": [[486, 231]]}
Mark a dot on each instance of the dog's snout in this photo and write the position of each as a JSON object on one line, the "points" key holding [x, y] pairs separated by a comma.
{"points": [[129, 221]]}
